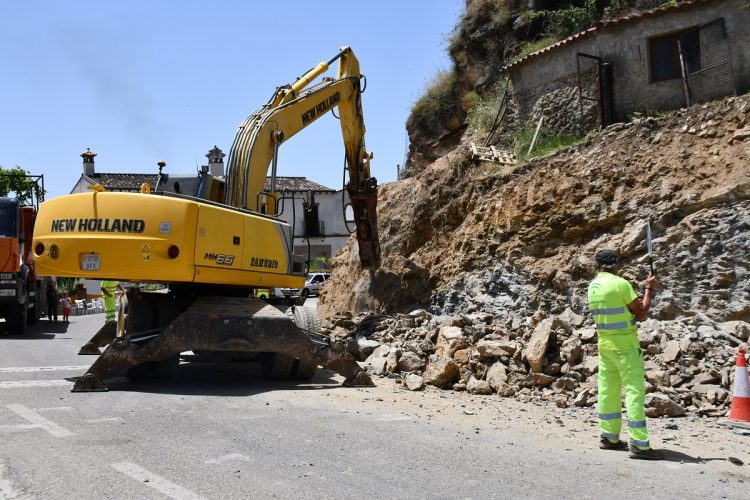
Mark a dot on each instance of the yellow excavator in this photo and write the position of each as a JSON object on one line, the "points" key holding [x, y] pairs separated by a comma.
{"points": [[214, 244]]}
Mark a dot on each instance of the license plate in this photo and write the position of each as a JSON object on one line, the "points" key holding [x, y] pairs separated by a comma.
{"points": [[91, 262], [7, 293]]}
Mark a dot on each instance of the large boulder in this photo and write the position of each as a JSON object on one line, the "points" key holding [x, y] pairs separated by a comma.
{"points": [[413, 382], [449, 340], [410, 362], [441, 372], [490, 349], [659, 405], [475, 386], [497, 376], [537, 345]]}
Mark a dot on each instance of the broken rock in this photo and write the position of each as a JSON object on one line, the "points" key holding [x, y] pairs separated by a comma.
{"points": [[441, 372], [536, 348], [475, 386], [449, 340], [659, 405], [413, 382], [410, 362]]}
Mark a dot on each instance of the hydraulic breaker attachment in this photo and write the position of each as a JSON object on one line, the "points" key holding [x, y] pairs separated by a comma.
{"points": [[211, 323]]}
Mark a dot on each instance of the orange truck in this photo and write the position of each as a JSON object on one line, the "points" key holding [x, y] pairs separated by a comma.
{"points": [[20, 287]]}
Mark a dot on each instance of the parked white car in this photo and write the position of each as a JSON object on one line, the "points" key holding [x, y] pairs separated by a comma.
{"points": [[313, 282]]}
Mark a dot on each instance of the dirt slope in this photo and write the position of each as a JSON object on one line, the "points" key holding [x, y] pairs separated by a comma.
{"points": [[525, 239]]}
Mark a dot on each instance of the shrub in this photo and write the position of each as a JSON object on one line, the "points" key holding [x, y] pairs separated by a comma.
{"points": [[526, 48], [483, 113], [545, 143], [431, 111]]}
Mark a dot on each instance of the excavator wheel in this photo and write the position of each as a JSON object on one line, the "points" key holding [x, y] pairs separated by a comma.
{"points": [[140, 372], [276, 366], [307, 319]]}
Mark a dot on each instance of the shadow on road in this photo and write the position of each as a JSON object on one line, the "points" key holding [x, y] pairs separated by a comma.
{"points": [[44, 330], [230, 379], [678, 456]]}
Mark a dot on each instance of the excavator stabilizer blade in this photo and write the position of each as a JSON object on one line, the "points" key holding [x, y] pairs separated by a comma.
{"points": [[102, 338]]}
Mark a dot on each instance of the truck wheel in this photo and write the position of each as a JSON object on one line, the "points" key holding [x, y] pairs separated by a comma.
{"points": [[276, 366], [16, 318], [33, 312], [307, 319]]}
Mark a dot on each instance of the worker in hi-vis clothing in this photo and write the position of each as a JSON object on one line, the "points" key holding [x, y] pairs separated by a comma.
{"points": [[110, 290], [615, 308]]}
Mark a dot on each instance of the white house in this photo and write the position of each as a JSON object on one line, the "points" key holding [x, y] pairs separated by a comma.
{"points": [[316, 212]]}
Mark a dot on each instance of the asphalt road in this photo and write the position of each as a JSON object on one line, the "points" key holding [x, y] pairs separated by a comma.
{"points": [[220, 431]]}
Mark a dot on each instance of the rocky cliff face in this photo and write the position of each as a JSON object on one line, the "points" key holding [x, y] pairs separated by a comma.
{"points": [[484, 272], [504, 259], [458, 236]]}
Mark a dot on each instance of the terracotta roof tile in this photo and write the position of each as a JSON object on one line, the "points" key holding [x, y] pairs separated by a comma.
{"points": [[296, 184], [132, 182], [122, 182], [606, 24]]}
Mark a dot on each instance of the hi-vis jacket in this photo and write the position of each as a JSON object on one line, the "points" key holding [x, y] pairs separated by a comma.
{"points": [[609, 296]]}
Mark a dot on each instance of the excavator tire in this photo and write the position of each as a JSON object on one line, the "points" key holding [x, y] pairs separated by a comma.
{"points": [[276, 366], [166, 369], [307, 319]]}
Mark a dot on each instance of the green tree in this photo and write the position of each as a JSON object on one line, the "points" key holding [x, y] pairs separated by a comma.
{"points": [[21, 184]]}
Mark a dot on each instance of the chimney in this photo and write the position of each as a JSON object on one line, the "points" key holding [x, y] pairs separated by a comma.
{"points": [[88, 162], [216, 162]]}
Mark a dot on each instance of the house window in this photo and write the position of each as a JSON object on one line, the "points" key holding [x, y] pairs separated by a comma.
{"points": [[312, 225], [664, 54]]}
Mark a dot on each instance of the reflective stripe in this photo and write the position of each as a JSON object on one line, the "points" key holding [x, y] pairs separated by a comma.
{"points": [[610, 416], [611, 310], [637, 424], [612, 326], [641, 444], [611, 437]]}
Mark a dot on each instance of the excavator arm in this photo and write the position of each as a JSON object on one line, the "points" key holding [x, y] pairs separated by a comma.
{"points": [[291, 109]]}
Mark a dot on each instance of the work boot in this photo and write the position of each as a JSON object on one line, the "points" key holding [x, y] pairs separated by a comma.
{"points": [[606, 444], [649, 454]]}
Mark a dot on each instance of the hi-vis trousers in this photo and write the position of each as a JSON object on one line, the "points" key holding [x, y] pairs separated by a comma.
{"points": [[621, 367]]}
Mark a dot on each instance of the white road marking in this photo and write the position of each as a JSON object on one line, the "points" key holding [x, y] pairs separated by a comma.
{"points": [[393, 418], [17, 428], [106, 419], [40, 421], [231, 456], [55, 408], [156, 482], [31, 369], [6, 487], [20, 384]]}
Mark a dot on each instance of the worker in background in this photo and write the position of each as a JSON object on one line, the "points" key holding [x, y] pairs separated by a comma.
{"points": [[52, 300], [615, 308], [110, 290]]}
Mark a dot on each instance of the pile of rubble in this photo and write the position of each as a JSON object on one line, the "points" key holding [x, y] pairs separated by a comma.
{"points": [[689, 362]]}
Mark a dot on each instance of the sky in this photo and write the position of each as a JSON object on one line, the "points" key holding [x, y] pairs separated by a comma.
{"points": [[142, 81]]}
